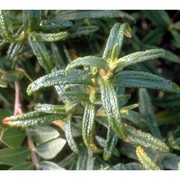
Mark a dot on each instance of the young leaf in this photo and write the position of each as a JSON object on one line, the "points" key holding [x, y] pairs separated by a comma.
{"points": [[88, 61], [110, 143], [50, 149], [30, 119], [49, 37], [140, 79], [59, 78], [68, 133], [41, 52], [13, 137], [145, 160], [138, 57], [146, 109], [139, 137], [88, 128], [55, 24], [13, 157], [116, 39]]}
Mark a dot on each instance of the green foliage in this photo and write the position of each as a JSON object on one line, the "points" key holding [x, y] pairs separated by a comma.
{"points": [[81, 80]]}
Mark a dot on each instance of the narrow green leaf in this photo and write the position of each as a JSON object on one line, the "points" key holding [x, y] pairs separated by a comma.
{"points": [[116, 37], [146, 109], [3, 83], [42, 54], [49, 108], [32, 19], [24, 166], [85, 30], [88, 128], [13, 50], [170, 161], [110, 143], [170, 56], [176, 40], [110, 104], [146, 140], [13, 137], [128, 166], [176, 25], [59, 78], [13, 75], [85, 160], [138, 57], [30, 119], [145, 160], [13, 157], [50, 149], [77, 15], [49, 37], [55, 24], [69, 136], [140, 79], [48, 165], [88, 61], [42, 134]]}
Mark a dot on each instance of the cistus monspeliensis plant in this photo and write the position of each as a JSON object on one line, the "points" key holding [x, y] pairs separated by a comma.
{"points": [[93, 108]]}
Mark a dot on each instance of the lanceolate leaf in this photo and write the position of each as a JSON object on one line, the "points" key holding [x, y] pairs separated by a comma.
{"points": [[50, 149], [146, 109], [13, 75], [48, 165], [50, 37], [41, 52], [59, 78], [144, 80], [116, 38], [138, 57], [138, 137], [88, 61], [88, 127], [68, 133], [110, 104], [110, 143], [145, 160], [14, 49], [13, 157], [30, 119]]}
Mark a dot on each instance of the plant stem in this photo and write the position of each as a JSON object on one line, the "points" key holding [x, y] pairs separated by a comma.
{"points": [[18, 110]]}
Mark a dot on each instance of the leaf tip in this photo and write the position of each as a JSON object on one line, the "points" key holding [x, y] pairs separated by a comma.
{"points": [[6, 121]]}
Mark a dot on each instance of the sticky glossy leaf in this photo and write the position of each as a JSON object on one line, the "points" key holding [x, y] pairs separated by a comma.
{"points": [[24, 166], [144, 139], [13, 157], [55, 24], [50, 37], [116, 38], [140, 79], [110, 143], [30, 119], [77, 15], [85, 30], [145, 160], [138, 57], [13, 75], [128, 166], [13, 137], [48, 165], [14, 50], [88, 61], [88, 128], [49, 108], [42, 134], [58, 78], [41, 52], [69, 136], [146, 109], [110, 104], [50, 149]]}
